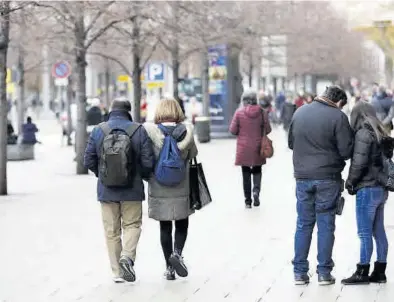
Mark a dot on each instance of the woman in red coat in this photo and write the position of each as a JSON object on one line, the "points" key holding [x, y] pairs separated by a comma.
{"points": [[248, 124]]}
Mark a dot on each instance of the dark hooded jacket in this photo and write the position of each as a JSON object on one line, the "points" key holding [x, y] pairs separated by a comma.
{"points": [[142, 159]]}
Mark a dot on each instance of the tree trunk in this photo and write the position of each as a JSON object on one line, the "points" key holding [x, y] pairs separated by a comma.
{"points": [[137, 89], [205, 83], [250, 72], [69, 96], [175, 68], [107, 80], [4, 36], [21, 106], [80, 56]]}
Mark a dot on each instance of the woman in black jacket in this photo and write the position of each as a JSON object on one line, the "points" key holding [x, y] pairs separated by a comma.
{"points": [[365, 180]]}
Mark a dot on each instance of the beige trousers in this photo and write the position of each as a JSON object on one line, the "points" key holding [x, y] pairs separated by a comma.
{"points": [[124, 218]]}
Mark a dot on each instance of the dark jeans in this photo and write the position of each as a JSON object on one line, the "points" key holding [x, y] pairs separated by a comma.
{"points": [[370, 223], [181, 227], [247, 173], [316, 203]]}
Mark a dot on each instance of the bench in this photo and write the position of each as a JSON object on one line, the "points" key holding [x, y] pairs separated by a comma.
{"points": [[20, 152]]}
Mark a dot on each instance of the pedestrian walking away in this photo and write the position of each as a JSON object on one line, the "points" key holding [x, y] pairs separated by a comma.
{"points": [[169, 202], [120, 154], [249, 124], [318, 159], [367, 179]]}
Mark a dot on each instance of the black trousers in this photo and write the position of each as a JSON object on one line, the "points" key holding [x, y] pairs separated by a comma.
{"points": [[247, 173], [181, 228]]}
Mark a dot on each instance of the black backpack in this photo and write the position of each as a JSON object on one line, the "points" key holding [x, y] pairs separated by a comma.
{"points": [[115, 167], [387, 145]]}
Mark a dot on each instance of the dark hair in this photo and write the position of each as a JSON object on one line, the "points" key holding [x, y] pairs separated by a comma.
{"points": [[335, 94], [119, 104], [29, 120], [364, 112]]}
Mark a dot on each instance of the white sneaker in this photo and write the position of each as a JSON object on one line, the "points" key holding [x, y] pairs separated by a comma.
{"points": [[118, 280]]}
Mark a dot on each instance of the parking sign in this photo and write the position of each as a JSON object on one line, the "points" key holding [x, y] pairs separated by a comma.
{"points": [[156, 72]]}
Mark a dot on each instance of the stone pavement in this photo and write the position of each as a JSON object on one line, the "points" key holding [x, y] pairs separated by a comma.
{"points": [[53, 249]]}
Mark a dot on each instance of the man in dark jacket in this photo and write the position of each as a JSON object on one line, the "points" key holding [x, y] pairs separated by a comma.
{"points": [[122, 206], [321, 139], [29, 130], [384, 106]]}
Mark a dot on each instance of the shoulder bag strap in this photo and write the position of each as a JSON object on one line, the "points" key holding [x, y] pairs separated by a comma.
{"points": [[105, 128], [130, 130]]}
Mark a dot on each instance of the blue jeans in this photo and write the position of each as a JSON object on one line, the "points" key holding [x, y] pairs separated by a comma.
{"points": [[370, 222], [316, 203]]}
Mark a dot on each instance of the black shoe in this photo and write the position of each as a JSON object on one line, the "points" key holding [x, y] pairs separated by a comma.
{"points": [[326, 279], [248, 204], [379, 273], [178, 264], [126, 266], [256, 198], [361, 276], [302, 279], [170, 273]]}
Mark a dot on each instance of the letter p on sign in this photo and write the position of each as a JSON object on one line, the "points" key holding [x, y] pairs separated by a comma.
{"points": [[156, 72]]}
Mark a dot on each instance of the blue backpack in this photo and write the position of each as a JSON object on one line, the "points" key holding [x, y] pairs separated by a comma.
{"points": [[171, 168]]}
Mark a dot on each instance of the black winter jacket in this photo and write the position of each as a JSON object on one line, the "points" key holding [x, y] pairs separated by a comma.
{"points": [[367, 168]]}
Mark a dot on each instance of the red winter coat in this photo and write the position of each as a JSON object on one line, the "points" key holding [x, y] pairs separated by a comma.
{"points": [[246, 125]]}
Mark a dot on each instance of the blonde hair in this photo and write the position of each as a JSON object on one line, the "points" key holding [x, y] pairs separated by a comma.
{"points": [[168, 110]]}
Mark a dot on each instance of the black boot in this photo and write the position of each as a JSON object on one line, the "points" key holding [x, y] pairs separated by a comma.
{"points": [[247, 185], [361, 276], [379, 273], [256, 189]]}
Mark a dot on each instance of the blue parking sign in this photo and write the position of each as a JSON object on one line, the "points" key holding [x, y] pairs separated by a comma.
{"points": [[155, 72]]}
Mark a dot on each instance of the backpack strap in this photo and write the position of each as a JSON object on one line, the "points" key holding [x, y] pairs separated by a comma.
{"points": [[164, 130], [105, 128], [130, 130]]}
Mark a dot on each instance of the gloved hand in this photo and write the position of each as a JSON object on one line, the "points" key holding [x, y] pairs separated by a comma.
{"points": [[350, 188]]}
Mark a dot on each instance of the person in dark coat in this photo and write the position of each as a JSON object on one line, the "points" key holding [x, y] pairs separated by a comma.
{"points": [[29, 130], [122, 206], [384, 106], [94, 114], [322, 140], [12, 138], [288, 109], [248, 124], [367, 178]]}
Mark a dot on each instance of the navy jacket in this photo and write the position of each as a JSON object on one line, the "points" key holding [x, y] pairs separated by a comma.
{"points": [[29, 134], [143, 160], [321, 139]]}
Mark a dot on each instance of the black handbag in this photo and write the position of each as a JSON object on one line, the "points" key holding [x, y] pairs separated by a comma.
{"points": [[199, 192]]}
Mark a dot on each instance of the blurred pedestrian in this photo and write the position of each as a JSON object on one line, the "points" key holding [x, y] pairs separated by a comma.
{"points": [[144, 109], [12, 138], [120, 189], [94, 114], [384, 106], [29, 130], [366, 171], [300, 100], [249, 124], [170, 204], [322, 140], [288, 110]]}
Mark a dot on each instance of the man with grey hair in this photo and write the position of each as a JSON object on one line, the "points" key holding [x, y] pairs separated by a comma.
{"points": [[120, 154], [321, 139]]}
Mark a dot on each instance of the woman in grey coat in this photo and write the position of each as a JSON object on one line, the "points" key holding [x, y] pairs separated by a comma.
{"points": [[168, 204]]}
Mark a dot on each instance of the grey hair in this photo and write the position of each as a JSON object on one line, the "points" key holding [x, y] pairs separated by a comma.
{"points": [[121, 104], [364, 112], [249, 97]]}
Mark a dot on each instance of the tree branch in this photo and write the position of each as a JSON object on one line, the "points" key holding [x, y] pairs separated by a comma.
{"points": [[111, 58], [97, 16]]}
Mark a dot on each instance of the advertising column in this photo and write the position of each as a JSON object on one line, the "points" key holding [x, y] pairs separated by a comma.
{"points": [[218, 85]]}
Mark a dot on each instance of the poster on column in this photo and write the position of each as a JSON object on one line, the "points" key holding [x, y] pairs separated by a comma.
{"points": [[217, 56]]}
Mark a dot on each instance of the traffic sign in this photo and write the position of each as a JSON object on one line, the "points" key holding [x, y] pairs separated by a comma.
{"points": [[61, 70], [155, 72]]}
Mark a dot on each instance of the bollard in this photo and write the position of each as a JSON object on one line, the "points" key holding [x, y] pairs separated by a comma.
{"points": [[203, 129]]}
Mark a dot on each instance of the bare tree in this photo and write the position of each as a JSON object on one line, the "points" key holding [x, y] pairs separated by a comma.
{"points": [[84, 22]]}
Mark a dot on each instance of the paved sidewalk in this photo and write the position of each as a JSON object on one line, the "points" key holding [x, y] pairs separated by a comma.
{"points": [[53, 249]]}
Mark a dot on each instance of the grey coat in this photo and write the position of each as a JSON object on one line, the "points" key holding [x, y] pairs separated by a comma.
{"points": [[171, 203]]}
